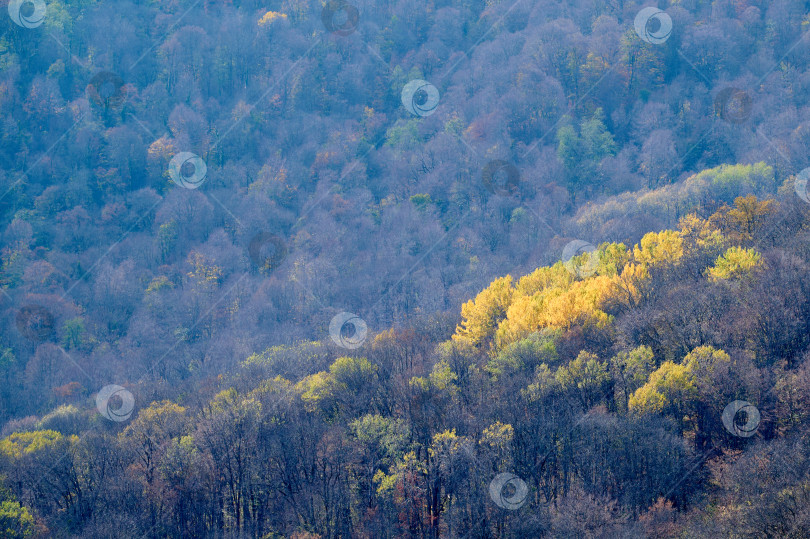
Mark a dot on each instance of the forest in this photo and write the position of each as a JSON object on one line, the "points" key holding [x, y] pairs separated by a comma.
{"points": [[321, 269]]}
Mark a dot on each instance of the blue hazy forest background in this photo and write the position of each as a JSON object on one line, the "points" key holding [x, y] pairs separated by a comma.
{"points": [[602, 390]]}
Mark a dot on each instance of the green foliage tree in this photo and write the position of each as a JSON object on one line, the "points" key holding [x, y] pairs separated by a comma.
{"points": [[16, 522], [581, 153], [586, 377], [690, 392], [538, 348], [630, 371], [669, 390]]}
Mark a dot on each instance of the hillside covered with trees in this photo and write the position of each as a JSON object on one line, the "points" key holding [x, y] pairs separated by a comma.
{"points": [[451, 268]]}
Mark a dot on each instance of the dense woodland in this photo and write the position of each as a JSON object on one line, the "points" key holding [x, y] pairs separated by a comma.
{"points": [[167, 362]]}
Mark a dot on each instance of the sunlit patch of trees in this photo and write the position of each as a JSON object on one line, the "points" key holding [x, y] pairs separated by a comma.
{"points": [[603, 392]]}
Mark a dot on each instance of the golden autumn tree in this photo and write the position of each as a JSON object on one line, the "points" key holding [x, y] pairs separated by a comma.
{"points": [[745, 219], [481, 316]]}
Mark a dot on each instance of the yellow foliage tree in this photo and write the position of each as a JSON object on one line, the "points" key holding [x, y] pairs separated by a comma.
{"points": [[736, 263], [659, 248], [628, 289], [743, 220], [555, 276], [270, 17], [205, 276], [668, 386], [481, 316], [23, 443], [675, 389], [700, 234], [161, 150]]}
